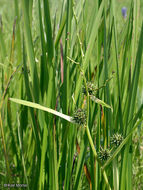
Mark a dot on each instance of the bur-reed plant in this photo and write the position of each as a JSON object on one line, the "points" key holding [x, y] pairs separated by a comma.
{"points": [[75, 72]]}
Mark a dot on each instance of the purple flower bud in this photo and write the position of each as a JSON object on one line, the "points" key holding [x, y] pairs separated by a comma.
{"points": [[124, 12]]}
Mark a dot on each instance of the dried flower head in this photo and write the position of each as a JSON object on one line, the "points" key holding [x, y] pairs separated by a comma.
{"points": [[116, 139], [79, 116], [91, 89], [104, 154]]}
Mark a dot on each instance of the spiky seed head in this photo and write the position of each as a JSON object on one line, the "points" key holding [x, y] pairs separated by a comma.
{"points": [[91, 89], [116, 139], [79, 116], [104, 154]]}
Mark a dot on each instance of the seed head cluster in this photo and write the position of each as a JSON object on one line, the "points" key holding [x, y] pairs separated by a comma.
{"points": [[91, 89], [104, 154], [116, 139], [79, 116]]}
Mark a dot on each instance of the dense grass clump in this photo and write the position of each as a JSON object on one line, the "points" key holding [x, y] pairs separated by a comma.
{"points": [[71, 94]]}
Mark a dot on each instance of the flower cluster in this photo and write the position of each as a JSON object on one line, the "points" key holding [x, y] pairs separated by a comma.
{"points": [[79, 116], [116, 139], [91, 89], [104, 154]]}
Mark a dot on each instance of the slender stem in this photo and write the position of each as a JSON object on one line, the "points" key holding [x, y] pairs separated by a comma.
{"points": [[4, 147], [79, 40], [90, 138], [106, 180], [91, 143]]}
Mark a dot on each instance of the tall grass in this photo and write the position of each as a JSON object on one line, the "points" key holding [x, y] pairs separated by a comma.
{"points": [[75, 73]]}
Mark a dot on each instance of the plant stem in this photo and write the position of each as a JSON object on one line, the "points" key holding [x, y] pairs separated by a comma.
{"points": [[90, 138]]}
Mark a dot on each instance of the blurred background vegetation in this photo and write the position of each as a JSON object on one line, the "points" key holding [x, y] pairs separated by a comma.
{"points": [[28, 164]]}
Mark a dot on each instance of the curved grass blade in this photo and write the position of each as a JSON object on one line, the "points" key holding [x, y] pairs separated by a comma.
{"points": [[30, 50], [60, 32], [37, 106], [98, 101], [21, 153]]}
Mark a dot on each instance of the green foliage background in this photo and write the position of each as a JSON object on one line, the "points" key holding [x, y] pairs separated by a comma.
{"points": [[92, 40]]}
